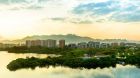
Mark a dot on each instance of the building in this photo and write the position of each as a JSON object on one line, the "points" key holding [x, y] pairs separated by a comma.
{"points": [[97, 44], [30, 43], [91, 44], [44, 43], [82, 45], [130, 44], [104, 45], [51, 43], [122, 44], [72, 45], [37, 42], [2, 45], [61, 43], [114, 44]]}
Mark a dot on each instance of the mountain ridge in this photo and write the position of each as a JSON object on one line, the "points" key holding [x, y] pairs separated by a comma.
{"points": [[69, 38]]}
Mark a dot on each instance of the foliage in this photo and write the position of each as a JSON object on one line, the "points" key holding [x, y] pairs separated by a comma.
{"points": [[61, 61]]}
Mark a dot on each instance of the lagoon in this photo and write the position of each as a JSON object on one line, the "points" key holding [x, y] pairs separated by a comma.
{"points": [[62, 72]]}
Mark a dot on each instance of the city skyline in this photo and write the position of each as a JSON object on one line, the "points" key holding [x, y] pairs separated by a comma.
{"points": [[99, 19]]}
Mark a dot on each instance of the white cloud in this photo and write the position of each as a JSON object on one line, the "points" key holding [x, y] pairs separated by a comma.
{"points": [[100, 10]]}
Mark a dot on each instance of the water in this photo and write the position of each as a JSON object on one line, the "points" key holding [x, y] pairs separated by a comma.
{"points": [[63, 72]]}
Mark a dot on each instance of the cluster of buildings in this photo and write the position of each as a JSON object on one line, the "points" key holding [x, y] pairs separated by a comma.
{"points": [[8, 45], [45, 43], [61, 43], [50, 43], [92, 44]]}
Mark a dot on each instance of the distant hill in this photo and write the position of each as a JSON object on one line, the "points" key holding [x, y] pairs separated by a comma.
{"points": [[69, 38]]}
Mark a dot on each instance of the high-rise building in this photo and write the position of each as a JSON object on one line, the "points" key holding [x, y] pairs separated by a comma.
{"points": [[61, 43], [82, 45], [114, 44], [104, 45], [51, 43], [122, 44], [97, 44], [45, 43], [91, 44], [30, 43]]}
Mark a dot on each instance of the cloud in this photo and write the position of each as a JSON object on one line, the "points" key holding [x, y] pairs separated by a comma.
{"points": [[70, 20], [22, 4], [112, 10], [58, 19], [79, 11], [96, 8], [82, 22], [91, 11]]}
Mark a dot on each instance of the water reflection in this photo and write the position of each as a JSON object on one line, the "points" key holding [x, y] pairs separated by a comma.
{"points": [[63, 72]]}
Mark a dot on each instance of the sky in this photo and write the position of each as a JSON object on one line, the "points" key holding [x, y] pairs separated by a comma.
{"points": [[100, 19]]}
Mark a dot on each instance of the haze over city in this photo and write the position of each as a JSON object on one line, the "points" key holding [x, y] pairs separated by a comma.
{"points": [[102, 19]]}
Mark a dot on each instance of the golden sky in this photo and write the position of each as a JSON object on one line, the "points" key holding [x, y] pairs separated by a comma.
{"points": [[92, 18]]}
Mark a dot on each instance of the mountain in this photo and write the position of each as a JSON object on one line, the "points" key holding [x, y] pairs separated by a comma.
{"points": [[69, 38]]}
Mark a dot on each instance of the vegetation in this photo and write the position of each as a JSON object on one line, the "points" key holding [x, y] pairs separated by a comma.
{"points": [[61, 61], [75, 58], [72, 62], [71, 51]]}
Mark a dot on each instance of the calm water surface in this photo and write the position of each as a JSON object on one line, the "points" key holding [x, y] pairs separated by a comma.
{"points": [[62, 72]]}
